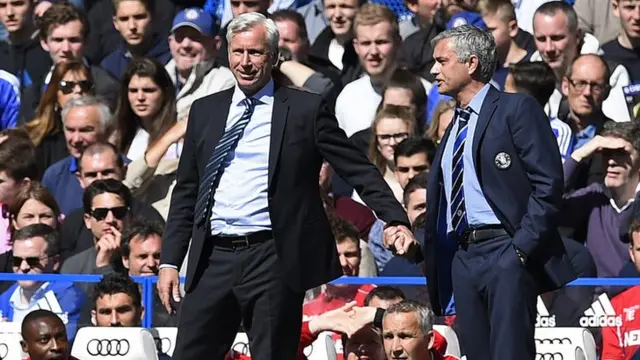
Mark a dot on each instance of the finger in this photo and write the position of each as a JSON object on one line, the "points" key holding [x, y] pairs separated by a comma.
{"points": [[176, 291], [348, 306], [399, 246], [164, 297]]}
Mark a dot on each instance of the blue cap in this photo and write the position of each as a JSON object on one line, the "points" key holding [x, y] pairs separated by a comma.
{"points": [[197, 19], [466, 17]]}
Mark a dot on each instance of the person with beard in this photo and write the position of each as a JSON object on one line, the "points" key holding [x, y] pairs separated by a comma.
{"points": [[117, 302]]}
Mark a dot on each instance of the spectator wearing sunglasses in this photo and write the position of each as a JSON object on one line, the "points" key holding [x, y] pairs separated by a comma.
{"points": [[36, 250], [107, 205], [69, 80]]}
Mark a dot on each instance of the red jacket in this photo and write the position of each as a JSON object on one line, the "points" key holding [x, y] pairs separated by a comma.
{"points": [[622, 342]]}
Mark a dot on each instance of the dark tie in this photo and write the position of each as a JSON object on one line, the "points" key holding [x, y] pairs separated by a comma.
{"points": [[211, 171], [458, 210]]}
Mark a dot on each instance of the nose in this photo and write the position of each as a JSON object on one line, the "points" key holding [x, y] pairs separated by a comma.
{"points": [[412, 174], [281, 43], [343, 261], [66, 46], [151, 262], [393, 141], [131, 24], [549, 46], [242, 8], [24, 267], [245, 60], [435, 69], [110, 218], [114, 318], [55, 345], [10, 11], [140, 96], [76, 137]]}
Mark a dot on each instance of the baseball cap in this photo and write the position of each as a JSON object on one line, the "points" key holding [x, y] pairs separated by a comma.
{"points": [[466, 17], [197, 19]]}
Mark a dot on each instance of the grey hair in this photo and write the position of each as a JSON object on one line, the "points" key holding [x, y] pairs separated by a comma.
{"points": [[424, 315], [469, 41], [106, 119], [247, 21]]}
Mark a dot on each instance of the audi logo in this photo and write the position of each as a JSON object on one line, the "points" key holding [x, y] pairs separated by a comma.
{"points": [[557, 341], [549, 356], [4, 351], [108, 347], [163, 344], [241, 347]]}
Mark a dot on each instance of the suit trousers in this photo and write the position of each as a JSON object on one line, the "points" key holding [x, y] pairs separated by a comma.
{"points": [[247, 285], [495, 299]]}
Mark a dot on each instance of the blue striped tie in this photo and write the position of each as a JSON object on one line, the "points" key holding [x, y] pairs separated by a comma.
{"points": [[211, 171], [458, 209]]}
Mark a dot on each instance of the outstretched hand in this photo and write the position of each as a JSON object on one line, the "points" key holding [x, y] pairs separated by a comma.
{"points": [[399, 239]]}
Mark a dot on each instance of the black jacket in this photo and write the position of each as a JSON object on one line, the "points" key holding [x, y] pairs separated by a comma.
{"points": [[318, 59], [28, 62], [416, 52]]}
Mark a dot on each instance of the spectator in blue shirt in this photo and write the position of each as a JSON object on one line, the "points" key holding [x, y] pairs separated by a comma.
{"points": [[36, 250], [86, 120], [133, 20]]}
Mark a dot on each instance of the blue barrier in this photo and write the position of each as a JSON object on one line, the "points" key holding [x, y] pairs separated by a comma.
{"points": [[149, 282]]}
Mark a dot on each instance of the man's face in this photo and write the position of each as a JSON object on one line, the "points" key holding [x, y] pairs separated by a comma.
{"points": [[100, 226], [376, 46], [634, 250], [14, 14], [46, 339], [629, 13], [250, 59], [424, 9], [117, 310], [100, 166], [81, 129], [65, 42], [403, 338], [189, 47], [376, 302], [408, 167], [417, 204], [587, 87], [144, 256], [290, 39], [8, 188], [451, 75], [556, 44], [133, 21], [502, 30], [340, 14], [365, 344], [30, 257], [349, 255], [621, 168], [239, 7]]}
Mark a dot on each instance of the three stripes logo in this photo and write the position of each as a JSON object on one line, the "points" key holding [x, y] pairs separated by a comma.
{"points": [[544, 319], [601, 314]]}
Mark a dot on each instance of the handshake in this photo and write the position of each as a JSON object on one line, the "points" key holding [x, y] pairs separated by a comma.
{"points": [[400, 241]]}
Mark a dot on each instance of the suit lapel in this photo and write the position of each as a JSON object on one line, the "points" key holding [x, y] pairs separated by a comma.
{"points": [[278, 122], [434, 180], [486, 112], [214, 128]]}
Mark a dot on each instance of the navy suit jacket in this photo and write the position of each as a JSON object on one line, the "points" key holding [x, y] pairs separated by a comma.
{"points": [[525, 196]]}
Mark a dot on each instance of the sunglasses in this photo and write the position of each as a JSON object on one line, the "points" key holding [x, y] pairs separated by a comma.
{"points": [[118, 212], [67, 86], [32, 261]]}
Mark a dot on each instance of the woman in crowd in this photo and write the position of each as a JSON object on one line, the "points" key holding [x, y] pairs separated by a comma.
{"points": [[69, 80], [146, 108], [442, 116], [392, 125]]}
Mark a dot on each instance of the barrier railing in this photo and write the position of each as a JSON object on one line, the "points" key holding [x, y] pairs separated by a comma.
{"points": [[148, 284]]}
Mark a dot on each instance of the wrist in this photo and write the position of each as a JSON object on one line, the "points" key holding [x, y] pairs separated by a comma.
{"points": [[316, 325]]}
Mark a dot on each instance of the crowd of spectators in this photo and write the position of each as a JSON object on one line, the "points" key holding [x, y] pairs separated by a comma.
{"points": [[94, 104]]}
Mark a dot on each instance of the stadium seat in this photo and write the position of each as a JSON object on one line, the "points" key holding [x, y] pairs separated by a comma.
{"points": [[559, 352], [579, 337], [10, 337], [322, 349], [453, 346], [165, 338], [109, 343]]}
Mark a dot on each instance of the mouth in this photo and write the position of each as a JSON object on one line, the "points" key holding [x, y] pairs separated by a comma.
{"points": [[141, 107]]}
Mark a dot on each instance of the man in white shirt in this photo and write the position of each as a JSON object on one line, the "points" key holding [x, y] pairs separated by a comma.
{"points": [[376, 41]]}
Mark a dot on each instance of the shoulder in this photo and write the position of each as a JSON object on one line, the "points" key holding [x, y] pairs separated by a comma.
{"points": [[353, 88], [7, 293], [7, 79], [217, 97], [299, 94], [58, 167]]}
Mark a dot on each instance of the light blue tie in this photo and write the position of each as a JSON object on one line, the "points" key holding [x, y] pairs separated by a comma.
{"points": [[458, 209], [211, 171]]}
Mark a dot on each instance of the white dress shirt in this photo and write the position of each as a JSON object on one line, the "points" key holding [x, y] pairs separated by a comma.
{"points": [[240, 200]]}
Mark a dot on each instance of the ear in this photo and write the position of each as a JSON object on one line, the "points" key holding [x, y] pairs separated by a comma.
{"points": [[56, 263], [44, 45], [125, 262], [87, 221], [412, 6], [142, 314], [25, 181], [631, 256], [356, 45], [115, 23], [430, 340], [79, 177], [24, 346], [474, 64], [217, 43], [565, 86], [13, 221], [93, 318], [513, 28], [616, 8]]}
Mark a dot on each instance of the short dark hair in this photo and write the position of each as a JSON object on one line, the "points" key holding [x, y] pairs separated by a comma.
{"points": [[342, 230], [553, 7], [117, 283], [296, 18], [100, 148], [49, 234], [418, 182], [18, 156], [414, 145], [105, 186], [61, 13], [535, 79], [384, 292], [142, 227], [37, 315], [628, 131], [633, 228], [148, 4]]}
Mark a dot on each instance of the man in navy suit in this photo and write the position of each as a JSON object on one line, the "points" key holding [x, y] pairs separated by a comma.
{"points": [[494, 187]]}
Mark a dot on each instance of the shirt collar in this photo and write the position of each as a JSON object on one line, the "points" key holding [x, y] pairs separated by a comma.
{"points": [[265, 95], [16, 299], [588, 132], [73, 165], [476, 103]]}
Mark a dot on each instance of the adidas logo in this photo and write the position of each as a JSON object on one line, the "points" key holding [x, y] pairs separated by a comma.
{"points": [[544, 319], [601, 314]]}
